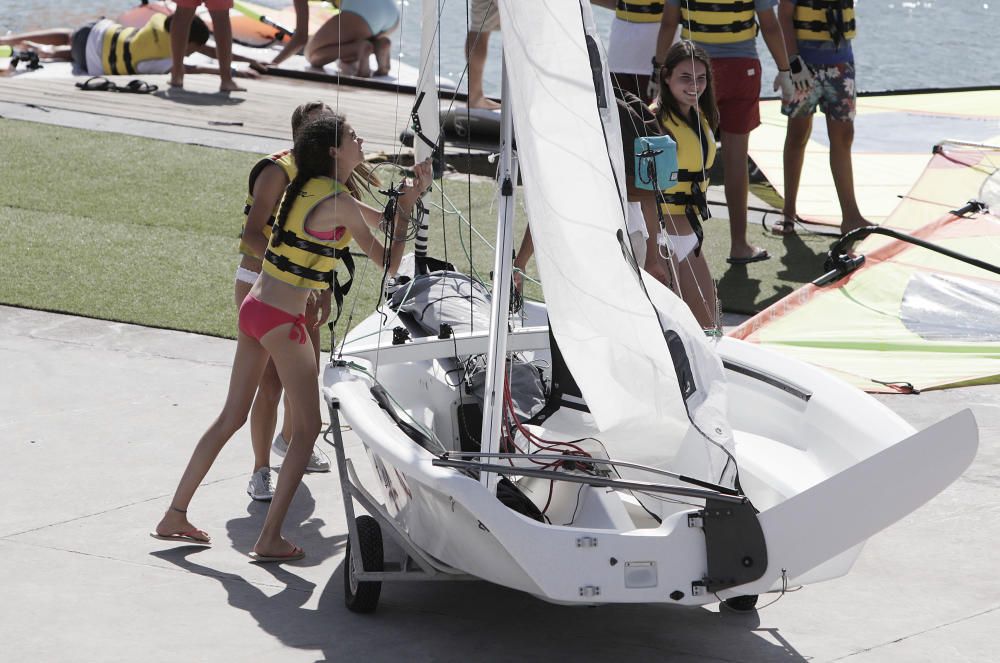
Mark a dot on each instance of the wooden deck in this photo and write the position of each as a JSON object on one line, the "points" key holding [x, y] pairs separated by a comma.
{"points": [[263, 111]]}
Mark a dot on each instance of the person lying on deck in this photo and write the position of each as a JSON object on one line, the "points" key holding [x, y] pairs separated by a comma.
{"points": [[105, 47]]}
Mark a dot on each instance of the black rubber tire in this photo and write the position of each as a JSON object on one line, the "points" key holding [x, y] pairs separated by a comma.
{"points": [[363, 596], [742, 603]]}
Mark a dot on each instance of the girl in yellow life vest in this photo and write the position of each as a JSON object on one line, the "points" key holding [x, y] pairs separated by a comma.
{"points": [[320, 215], [267, 182], [687, 111]]}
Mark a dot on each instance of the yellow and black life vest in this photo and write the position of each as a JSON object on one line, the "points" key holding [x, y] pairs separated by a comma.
{"points": [[299, 259], [286, 162], [639, 11], [125, 47], [718, 21], [824, 20], [695, 156]]}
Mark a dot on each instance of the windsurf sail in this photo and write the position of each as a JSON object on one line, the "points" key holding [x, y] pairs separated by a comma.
{"points": [[893, 134], [909, 319]]}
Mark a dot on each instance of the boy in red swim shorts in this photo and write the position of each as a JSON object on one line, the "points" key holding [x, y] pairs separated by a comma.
{"points": [[222, 30]]}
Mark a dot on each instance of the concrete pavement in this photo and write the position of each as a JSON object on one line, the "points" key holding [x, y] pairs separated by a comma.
{"points": [[99, 418]]}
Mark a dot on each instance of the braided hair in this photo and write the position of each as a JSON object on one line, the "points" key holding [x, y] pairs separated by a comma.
{"points": [[312, 159]]}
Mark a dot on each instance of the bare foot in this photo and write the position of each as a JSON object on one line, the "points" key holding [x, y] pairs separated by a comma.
{"points": [[847, 226], [364, 55], [175, 526], [177, 83], [231, 86], [383, 55], [483, 102]]}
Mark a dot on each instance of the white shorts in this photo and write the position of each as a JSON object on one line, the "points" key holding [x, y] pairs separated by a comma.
{"points": [[631, 47], [246, 275], [679, 246], [484, 16]]}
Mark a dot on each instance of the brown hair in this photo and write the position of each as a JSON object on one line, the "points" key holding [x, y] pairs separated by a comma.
{"points": [[313, 159], [310, 110], [679, 52]]}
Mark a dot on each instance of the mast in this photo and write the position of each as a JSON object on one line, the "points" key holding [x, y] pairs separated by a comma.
{"points": [[427, 115], [502, 270]]}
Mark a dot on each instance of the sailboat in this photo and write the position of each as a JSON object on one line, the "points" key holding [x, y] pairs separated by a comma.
{"points": [[600, 448]]}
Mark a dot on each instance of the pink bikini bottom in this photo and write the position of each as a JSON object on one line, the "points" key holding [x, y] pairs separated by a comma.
{"points": [[258, 318]]}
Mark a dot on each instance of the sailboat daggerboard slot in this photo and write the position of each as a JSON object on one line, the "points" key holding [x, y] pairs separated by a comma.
{"points": [[767, 378]]}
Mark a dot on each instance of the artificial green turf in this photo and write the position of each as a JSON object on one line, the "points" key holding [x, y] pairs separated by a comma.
{"points": [[145, 231]]}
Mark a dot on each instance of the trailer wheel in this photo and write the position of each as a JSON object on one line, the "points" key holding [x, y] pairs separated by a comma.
{"points": [[362, 596], [742, 603]]}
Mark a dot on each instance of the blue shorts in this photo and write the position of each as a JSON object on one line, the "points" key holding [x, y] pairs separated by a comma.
{"points": [[833, 91], [380, 15]]}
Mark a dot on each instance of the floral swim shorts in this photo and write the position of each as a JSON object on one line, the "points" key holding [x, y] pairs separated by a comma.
{"points": [[833, 90]]}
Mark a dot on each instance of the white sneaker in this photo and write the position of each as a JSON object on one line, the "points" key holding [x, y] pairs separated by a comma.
{"points": [[318, 460], [261, 486]]}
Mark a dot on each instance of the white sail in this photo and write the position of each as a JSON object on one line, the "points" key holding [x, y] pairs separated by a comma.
{"points": [[569, 149]]}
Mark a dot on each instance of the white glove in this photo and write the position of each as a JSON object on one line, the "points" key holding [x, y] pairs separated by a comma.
{"points": [[783, 82], [801, 74]]}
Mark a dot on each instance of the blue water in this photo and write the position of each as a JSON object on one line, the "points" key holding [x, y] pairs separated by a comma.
{"points": [[900, 45]]}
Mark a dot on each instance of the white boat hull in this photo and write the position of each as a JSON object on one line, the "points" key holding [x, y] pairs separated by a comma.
{"points": [[823, 482]]}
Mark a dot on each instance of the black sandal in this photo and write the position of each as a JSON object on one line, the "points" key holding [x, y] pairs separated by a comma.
{"points": [[98, 84], [138, 87]]}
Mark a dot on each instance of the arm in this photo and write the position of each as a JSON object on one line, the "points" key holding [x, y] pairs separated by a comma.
{"points": [[360, 218], [239, 73], [299, 37], [267, 191], [210, 51], [771, 31], [786, 12], [668, 29]]}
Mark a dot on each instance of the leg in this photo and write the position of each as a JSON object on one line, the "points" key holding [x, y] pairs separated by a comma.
{"points": [[264, 413], [697, 289], [383, 55], [297, 368], [340, 38], [264, 416], [248, 364], [796, 137], [737, 187], [223, 31], [841, 134], [180, 32], [476, 50], [56, 37]]}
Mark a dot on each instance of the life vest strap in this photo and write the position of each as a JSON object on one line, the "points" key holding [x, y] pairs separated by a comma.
{"points": [[697, 6], [735, 26], [821, 26], [826, 4], [291, 239], [127, 53], [113, 55], [654, 8]]}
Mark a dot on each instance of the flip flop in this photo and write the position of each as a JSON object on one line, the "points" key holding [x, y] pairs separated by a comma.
{"points": [[97, 84], [756, 257], [138, 87], [786, 226], [184, 537], [297, 553]]}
